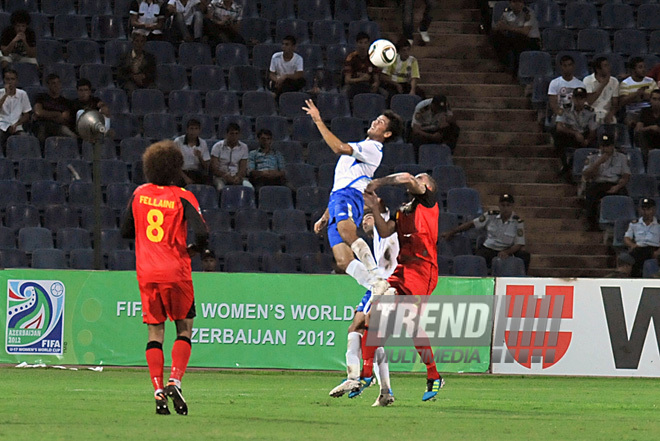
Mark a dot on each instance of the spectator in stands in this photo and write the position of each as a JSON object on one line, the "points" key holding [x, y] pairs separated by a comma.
{"points": [[137, 69], [643, 237], [624, 264], [516, 31], [148, 16], [505, 233], [576, 128], [434, 123], [360, 75], [187, 19], [286, 69], [222, 22], [229, 159], [265, 165], [603, 91], [409, 19], [402, 75], [15, 108], [196, 157], [209, 262], [606, 172], [647, 130], [635, 91], [18, 42], [561, 88], [53, 113], [87, 101]]}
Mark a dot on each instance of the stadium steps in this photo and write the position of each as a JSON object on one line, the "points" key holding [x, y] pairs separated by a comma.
{"points": [[499, 126], [486, 163], [470, 115], [496, 150]]}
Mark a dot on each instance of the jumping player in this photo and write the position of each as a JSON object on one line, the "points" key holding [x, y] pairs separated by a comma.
{"points": [[354, 170], [157, 216], [416, 224]]}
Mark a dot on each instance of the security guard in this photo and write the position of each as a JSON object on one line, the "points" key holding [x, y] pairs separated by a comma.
{"points": [[643, 237], [516, 31], [505, 233]]}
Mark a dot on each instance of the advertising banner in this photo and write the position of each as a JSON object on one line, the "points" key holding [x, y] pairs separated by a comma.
{"points": [[608, 327]]}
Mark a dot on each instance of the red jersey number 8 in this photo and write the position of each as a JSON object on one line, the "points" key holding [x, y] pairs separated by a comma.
{"points": [[155, 232]]}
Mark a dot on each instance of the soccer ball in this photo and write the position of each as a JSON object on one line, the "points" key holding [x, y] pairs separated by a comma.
{"points": [[382, 53]]}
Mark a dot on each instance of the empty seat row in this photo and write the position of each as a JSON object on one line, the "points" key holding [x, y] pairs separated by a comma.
{"points": [[624, 42]]}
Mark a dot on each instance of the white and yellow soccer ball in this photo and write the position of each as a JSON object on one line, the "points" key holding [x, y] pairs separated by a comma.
{"points": [[382, 53]]}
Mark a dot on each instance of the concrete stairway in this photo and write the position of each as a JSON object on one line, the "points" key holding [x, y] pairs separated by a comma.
{"points": [[501, 147]]}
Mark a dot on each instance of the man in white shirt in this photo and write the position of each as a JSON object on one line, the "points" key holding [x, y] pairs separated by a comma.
{"points": [[15, 108], [188, 19], [643, 237], [561, 88], [223, 21], [286, 68], [602, 91], [196, 157], [229, 159], [635, 91], [148, 16]]}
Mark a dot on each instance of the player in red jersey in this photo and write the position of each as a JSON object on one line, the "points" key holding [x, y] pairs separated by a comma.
{"points": [[416, 224], [157, 216]]}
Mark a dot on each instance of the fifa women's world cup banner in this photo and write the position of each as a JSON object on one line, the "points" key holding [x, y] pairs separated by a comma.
{"points": [[285, 321]]}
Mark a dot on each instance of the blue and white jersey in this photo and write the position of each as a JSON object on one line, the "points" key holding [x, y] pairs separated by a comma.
{"points": [[355, 171], [386, 250]]}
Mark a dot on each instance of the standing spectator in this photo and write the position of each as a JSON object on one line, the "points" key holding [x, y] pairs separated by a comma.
{"points": [[505, 233], [196, 157], [576, 128], [606, 173], [360, 75], [286, 69], [187, 20], [229, 159], [409, 19], [402, 75], [137, 69], [265, 165], [647, 130], [18, 42], [561, 88], [516, 31], [148, 16], [53, 113], [635, 91], [643, 237], [223, 21], [433, 123], [15, 108], [603, 91], [87, 101]]}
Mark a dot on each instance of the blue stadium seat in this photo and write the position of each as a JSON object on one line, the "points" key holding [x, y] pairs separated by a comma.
{"points": [[581, 15], [459, 245], [291, 104], [94, 7], [289, 220], [159, 125], [510, 267], [32, 238], [69, 239], [292, 26], [12, 192], [617, 64], [312, 55], [613, 207], [348, 129], [498, 10], [8, 238], [60, 216], [277, 9], [108, 27], [444, 265], [654, 42], [465, 202], [255, 30], [244, 78], [312, 198], [447, 221], [217, 219], [184, 101], [350, 10], [304, 130], [275, 197], [263, 242], [620, 228], [28, 75], [82, 259], [114, 50], [66, 72], [368, 106], [259, 103], [278, 125], [326, 175], [108, 218], [653, 166], [83, 51], [111, 240], [393, 196], [581, 63], [6, 169], [332, 105], [617, 16], [223, 242], [326, 32], [54, 7], [162, 50], [23, 146], [630, 42], [292, 151], [207, 78], [34, 169], [121, 260], [316, 263], [206, 195], [13, 259], [470, 266], [242, 121], [548, 14], [113, 170], [118, 194], [579, 159], [593, 40], [319, 153], [370, 27], [300, 243], [171, 77], [263, 53], [147, 101], [49, 259], [448, 177], [80, 193], [241, 262], [642, 186], [250, 219], [231, 54], [533, 64], [336, 55], [41, 25], [413, 169], [279, 263], [404, 105], [45, 193], [398, 153], [433, 155], [558, 39], [100, 75], [236, 197], [49, 51], [108, 150], [137, 173], [221, 102], [115, 99], [69, 27], [635, 159], [651, 60], [312, 10], [61, 148], [131, 149], [194, 54], [300, 175], [650, 268]]}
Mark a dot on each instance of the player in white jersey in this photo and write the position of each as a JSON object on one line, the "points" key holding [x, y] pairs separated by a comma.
{"points": [[355, 169]]}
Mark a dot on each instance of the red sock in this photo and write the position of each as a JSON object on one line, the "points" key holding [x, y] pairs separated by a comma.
{"points": [[155, 361], [180, 357], [426, 354], [368, 353]]}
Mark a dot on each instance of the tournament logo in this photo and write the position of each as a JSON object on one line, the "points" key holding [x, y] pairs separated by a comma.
{"points": [[35, 317]]}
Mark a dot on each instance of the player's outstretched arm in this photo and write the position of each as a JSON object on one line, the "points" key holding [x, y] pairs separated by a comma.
{"points": [[413, 185], [337, 146]]}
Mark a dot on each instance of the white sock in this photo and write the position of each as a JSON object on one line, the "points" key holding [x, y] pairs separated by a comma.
{"points": [[384, 369], [353, 355], [356, 270], [362, 251]]}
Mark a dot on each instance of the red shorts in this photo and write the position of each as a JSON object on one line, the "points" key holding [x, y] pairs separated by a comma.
{"points": [[161, 300], [415, 278]]}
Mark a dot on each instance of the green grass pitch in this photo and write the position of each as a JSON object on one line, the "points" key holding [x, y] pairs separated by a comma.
{"points": [[117, 404]]}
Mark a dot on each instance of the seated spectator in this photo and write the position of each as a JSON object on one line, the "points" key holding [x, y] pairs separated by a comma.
{"points": [[505, 233], [516, 31], [433, 123], [643, 237], [603, 91], [635, 91], [87, 101], [360, 75], [576, 128], [15, 108], [222, 22], [265, 165], [647, 130], [286, 69], [402, 75], [209, 262], [561, 88], [624, 264], [148, 16], [137, 69], [53, 113], [196, 157], [187, 20], [18, 42], [229, 159], [606, 172]]}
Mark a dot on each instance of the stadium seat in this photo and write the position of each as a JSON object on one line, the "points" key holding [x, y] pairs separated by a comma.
{"points": [[217, 219], [654, 42], [66, 72], [194, 54], [332, 105], [108, 218], [100, 75], [336, 55], [54, 7], [653, 168], [70, 27], [49, 259], [94, 7], [593, 40], [558, 39], [116, 100], [630, 42], [617, 64], [300, 175], [242, 121], [277, 9], [289, 220], [275, 197], [444, 265], [291, 104], [312, 10], [292, 26], [533, 64], [61, 148], [613, 207], [316, 263], [108, 27], [22, 146], [82, 259], [207, 78], [350, 10], [231, 54], [147, 101], [83, 51], [111, 240], [244, 78], [32, 238], [28, 75], [279, 263], [312, 55], [236, 197], [326, 175], [635, 159], [121, 260], [579, 159], [398, 153], [262, 54], [304, 130], [114, 50], [263, 242], [459, 245], [393, 196], [433, 155], [310, 199], [131, 149], [241, 262], [223, 242], [160, 125], [650, 268], [45, 193], [404, 105], [10, 258], [470, 266], [8, 238], [49, 51], [69, 239], [162, 50], [184, 101], [617, 16], [292, 151], [34, 169], [326, 32], [255, 29], [548, 14], [356, 26], [258, 103], [300, 243], [348, 129], [497, 11], [6, 169], [464, 202], [12, 192], [581, 63], [206, 195], [278, 125], [113, 170], [108, 150], [118, 195], [221, 102], [620, 228], [413, 169], [80, 193], [171, 77], [509, 267], [319, 153], [581, 15], [247, 220], [60, 216], [368, 106], [448, 177], [137, 173], [642, 186], [447, 221], [41, 25]]}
